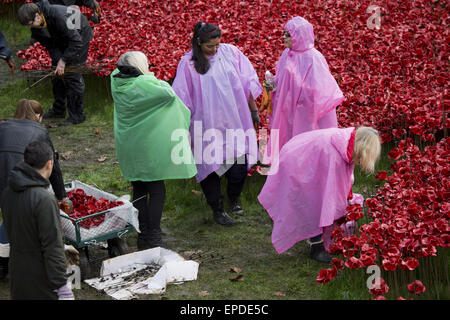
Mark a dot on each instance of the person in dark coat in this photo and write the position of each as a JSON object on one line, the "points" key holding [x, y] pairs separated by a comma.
{"points": [[5, 53], [15, 135], [31, 217], [65, 33]]}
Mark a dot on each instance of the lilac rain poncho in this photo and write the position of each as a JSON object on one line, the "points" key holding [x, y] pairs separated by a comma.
{"points": [[218, 101], [307, 94], [306, 190]]}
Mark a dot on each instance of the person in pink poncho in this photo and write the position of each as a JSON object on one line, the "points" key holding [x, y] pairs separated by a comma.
{"points": [[306, 94], [309, 191], [217, 82]]}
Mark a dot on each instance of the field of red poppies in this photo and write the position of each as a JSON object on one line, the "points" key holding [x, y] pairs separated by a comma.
{"points": [[391, 63]]}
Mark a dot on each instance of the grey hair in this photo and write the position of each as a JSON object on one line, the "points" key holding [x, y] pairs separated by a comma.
{"points": [[136, 59]]}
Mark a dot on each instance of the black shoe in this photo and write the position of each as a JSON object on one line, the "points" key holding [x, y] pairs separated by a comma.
{"points": [[3, 267], [149, 239], [221, 217], [51, 114], [70, 121], [317, 252], [155, 238], [236, 208]]}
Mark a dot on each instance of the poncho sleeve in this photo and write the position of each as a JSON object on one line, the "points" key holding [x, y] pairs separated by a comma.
{"points": [[182, 84], [247, 73], [320, 92]]}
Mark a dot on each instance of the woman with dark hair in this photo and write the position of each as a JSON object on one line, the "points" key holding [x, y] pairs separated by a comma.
{"points": [[15, 135], [218, 84]]}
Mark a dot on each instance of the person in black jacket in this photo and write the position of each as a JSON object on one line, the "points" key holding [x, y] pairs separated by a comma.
{"points": [[65, 33], [15, 135], [5, 53], [31, 217]]}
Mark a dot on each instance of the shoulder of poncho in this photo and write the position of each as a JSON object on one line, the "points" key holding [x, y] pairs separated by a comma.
{"points": [[340, 140], [229, 48], [186, 60]]}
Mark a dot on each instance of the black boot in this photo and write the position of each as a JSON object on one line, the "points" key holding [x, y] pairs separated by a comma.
{"points": [[51, 114], [155, 238], [236, 208], [317, 252], [3, 267], [220, 216]]}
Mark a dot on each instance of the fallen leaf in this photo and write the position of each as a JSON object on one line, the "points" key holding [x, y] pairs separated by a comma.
{"points": [[66, 155], [238, 278], [97, 131], [196, 192], [203, 293], [101, 159], [190, 253], [280, 294], [235, 270]]}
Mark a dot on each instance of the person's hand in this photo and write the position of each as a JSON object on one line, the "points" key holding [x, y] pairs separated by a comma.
{"points": [[65, 293], [255, 117], [72, 255], [60, 68], [67, 204], [11, 65]]}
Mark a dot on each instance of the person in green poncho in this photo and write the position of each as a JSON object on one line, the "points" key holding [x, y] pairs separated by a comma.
{"points": [[151, 127]]}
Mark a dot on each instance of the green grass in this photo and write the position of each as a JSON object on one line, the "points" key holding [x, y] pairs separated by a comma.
{"points": [[15, 32]]}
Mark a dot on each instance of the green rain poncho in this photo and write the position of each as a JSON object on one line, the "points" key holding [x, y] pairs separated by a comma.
{"points": [[151, 125]]}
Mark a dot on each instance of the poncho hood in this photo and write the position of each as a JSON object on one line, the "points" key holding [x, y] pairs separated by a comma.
{"points": [[301, 32]]}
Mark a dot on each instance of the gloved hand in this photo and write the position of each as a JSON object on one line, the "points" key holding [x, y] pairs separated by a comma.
{"points": [[11, 64], [255, 117], [67, 204], [65, 293], [72, 255]]}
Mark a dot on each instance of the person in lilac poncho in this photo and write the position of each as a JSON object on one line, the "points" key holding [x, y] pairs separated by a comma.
{"points": [[309, 191], [217, 82], [306, 93]]}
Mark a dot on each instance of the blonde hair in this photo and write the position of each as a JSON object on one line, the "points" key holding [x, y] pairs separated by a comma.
{"points": [[367, 148], [28, 109], [136, 59]]}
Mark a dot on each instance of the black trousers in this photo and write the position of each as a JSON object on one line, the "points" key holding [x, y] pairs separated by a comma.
{"points": [[150, 205], [211, 186], [68, 90]]}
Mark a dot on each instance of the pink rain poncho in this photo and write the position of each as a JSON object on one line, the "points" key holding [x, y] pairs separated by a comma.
{"points": [[218, 101], [310, 188], [307, 94]]}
